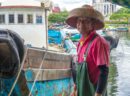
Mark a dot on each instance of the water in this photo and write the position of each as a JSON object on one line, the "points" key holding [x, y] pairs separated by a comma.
{"points": [[119, 77]]}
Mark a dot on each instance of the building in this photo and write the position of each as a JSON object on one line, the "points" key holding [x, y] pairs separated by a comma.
{"points": [[28, 21], [106, 8], [56, 9]]}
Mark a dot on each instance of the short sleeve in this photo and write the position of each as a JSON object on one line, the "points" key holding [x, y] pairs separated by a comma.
{"points": [[100, 51]]}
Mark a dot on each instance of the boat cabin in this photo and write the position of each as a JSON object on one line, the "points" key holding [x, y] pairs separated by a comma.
{"points": [[28, 21]]}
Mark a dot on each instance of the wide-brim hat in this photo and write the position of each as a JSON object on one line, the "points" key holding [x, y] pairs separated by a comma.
{"points": [[98, 19]]}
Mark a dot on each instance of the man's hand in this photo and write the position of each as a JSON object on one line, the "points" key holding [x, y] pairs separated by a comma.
{"points": [[97, 94], [74, 93]]}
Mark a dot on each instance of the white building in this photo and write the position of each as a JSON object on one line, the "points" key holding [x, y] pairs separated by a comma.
{"points": [[106, 8], [29, 22]]}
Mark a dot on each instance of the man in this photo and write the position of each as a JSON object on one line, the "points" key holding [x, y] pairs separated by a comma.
{"points": [[92, 52]]}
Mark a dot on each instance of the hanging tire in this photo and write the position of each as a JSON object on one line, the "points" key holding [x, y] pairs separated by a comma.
{"points": [[11, 53]]}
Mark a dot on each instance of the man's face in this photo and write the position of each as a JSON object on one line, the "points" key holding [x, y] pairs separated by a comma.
{"points": [[84, 25]]}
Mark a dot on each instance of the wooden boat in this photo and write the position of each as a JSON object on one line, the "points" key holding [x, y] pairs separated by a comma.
{"points": [[42, 72], [39, 72], [55, 72]]}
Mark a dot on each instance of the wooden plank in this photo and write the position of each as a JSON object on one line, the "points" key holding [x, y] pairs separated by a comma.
{"points": [[52, 60], [50, 74]]}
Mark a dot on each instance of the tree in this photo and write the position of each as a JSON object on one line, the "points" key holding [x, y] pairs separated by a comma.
{"points": [[115, 16], [58, 17], [123, 10], [122, 14]]}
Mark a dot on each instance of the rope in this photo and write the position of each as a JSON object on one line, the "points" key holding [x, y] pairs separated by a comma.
{"points": [[18, 73], [37, 73]]}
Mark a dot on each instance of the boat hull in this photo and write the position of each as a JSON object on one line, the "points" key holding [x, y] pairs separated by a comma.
{"points": [[52, 79]]}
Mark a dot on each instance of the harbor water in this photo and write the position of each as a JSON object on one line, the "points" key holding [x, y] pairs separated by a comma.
{"points": [[119, 77]]}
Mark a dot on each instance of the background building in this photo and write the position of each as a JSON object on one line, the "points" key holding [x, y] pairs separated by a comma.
{"points": [[106, 8], [55, 8]]}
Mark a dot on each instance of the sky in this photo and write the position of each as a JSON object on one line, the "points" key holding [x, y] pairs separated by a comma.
{"points": [[70, 4], [63, 4]]}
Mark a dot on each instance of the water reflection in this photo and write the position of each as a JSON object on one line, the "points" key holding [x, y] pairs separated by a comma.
{"points": [[112, 82], [119, 77]]}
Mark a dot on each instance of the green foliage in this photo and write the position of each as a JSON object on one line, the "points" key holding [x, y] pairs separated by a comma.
{"points": [[115, 16], [123, 10], [58, 17], [122, 14], [116, 22]]}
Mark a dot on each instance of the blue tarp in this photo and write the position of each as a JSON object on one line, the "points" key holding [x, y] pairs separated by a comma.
{"points": [[54, 36]]}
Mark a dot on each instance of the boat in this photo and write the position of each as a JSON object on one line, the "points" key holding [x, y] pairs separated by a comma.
{"points": [[43, 72], [26, 22], [68, 43], [32, 69], [74, 36], [111, 37]]}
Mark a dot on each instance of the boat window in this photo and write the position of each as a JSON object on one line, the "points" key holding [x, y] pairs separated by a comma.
{"points": [[38, 19], [2, 19], [11, 18], [20, 18], [29, 18]]}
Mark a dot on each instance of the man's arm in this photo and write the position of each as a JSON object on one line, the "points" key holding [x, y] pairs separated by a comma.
{"points": [[102, 81]]}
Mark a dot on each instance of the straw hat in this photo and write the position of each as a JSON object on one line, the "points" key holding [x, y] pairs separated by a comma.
{"points": [[86, 11]]}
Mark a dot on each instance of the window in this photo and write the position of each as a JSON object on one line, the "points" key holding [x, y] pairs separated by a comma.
{"points": [[29, 18], [38, 19], [20, 18], [11, 18], [2, 19]]}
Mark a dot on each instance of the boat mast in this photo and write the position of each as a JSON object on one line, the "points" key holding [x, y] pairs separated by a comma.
{"points": [[46, 5]]}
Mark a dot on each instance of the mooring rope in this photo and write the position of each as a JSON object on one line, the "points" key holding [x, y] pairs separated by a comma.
{"points": [[38, 73], [18, 73]]}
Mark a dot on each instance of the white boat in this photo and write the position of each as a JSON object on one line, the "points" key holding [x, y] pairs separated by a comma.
{"points": [[70, 31]]}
